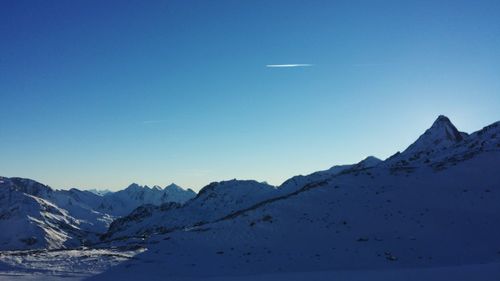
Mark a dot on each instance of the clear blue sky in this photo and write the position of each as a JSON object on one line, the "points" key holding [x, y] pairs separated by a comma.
{"points": [[105, 93]]}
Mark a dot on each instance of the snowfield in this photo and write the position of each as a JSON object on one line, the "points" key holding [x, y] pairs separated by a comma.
{"points": [[77, 264], [484, 272]]}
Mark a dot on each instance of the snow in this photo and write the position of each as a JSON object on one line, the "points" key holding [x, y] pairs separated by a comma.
{"points": [[296, 183], [36, 216], [442, 133], [217, 201], [122, 202], [369, 220], [28, 221], [484, 272], [99, 192], [213, 202], [76, 264]]}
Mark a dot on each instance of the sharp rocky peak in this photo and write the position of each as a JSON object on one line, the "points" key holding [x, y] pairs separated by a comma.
{"points": [[442, 133], [444, 128]]}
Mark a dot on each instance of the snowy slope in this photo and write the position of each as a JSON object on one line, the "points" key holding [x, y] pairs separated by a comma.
{"points": [[79, 204], [439, 136], [29, 222], [443, 145], [36, 216], [414, 214], [216, 201], [84, 206], [296, 183], [213, 202]]}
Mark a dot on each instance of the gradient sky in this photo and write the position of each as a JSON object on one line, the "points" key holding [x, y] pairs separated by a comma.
{"points": [[105, 93]]}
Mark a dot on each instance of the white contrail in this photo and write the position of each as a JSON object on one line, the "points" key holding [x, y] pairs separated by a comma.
{"points": [[289, 65]]}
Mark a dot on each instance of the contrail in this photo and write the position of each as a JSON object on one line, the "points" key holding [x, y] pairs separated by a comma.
{"points": [[289, 65]]}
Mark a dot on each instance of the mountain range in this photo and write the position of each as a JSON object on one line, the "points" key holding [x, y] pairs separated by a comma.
{"points": [[436, 204], [433, 205], [38, 216]]}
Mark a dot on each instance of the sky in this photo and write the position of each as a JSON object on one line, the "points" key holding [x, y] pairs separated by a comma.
{"points": [[100, 94]]}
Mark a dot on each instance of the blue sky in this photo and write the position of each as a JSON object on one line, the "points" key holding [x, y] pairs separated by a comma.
{"points": [[105, 93]]}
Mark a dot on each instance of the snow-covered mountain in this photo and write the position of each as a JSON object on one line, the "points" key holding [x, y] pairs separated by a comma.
{"points": [[213, 202], [443, 145], [99, 191], [28, 221], [434, 205], [36, 216], [123, 202], [296, 183], [217, 201], [439, 136]]}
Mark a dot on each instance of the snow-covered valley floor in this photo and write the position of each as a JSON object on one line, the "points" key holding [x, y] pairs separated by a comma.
{"points": [[485, 272], [76, 264], [73, 265]]}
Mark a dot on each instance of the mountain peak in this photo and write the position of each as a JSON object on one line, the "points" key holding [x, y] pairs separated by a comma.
{"points": [[172, 186], [443, 122], [441, 134], [134, 186], [444, 129], [442, 119]]}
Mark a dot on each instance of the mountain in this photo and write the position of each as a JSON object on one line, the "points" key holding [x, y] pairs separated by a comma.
{"points": [[439, 136], [100, 192], [213, 202], [36, 216], [80, 204], [28, 221], [175, 193], [83, 205], [123, 202], [435, 205], [443, 145], [296, 183], [216, 201]]}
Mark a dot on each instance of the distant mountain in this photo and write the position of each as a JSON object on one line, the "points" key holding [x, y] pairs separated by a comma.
{"points": [[436, 204], [99, 191], [36, 216], [213, 202], [123, 202], [217, 201]]}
